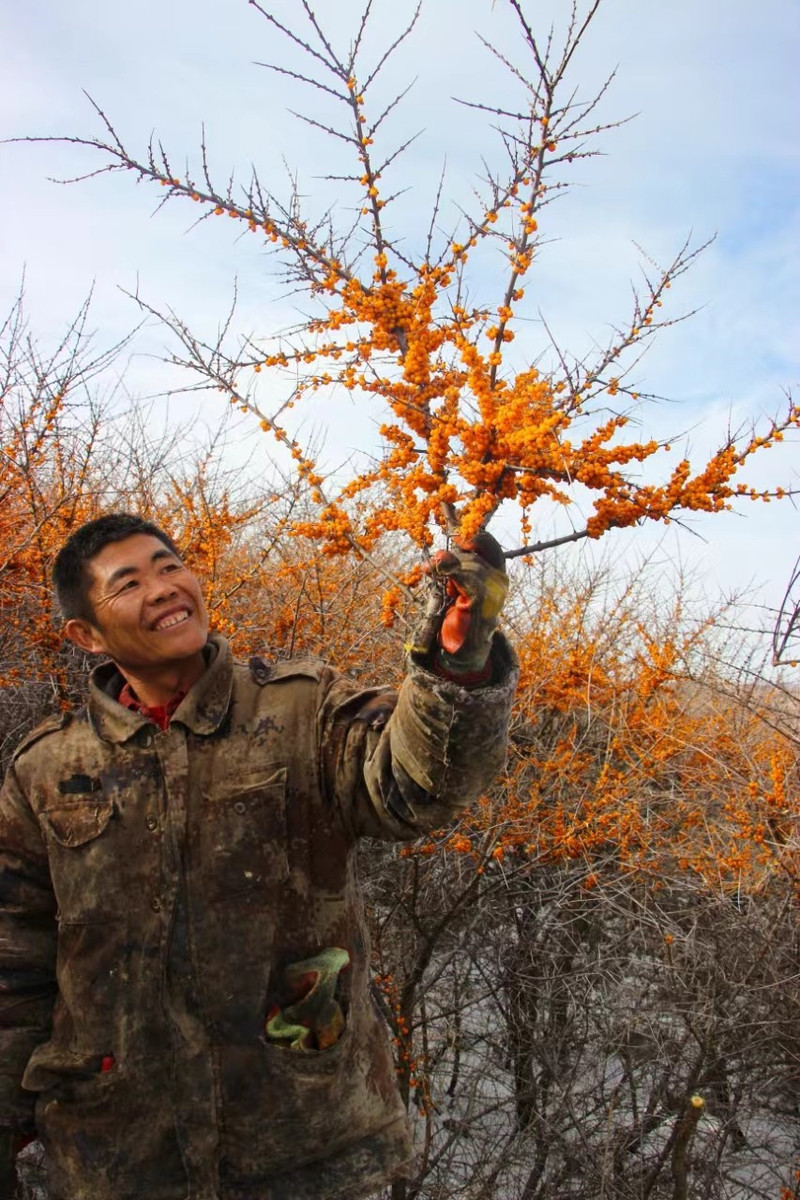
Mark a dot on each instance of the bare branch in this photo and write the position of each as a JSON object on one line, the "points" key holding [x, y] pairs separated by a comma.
{"points": [[391, 49]]}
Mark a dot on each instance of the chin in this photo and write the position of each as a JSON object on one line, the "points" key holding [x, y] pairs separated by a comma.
{"points": [[194, 644], [189, 644]]}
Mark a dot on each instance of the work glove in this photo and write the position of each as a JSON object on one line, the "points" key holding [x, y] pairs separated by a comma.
{"points": [[311, 1018], [461, 621]]}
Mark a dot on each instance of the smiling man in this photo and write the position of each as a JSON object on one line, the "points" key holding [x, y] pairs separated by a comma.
{"points": [[144, 611], [184, 969]]}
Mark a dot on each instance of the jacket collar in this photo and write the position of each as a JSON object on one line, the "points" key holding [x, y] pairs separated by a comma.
{"points": [[202, 711]]}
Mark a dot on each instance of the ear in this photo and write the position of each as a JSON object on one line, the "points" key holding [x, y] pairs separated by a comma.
{"points": [[85, 636]]}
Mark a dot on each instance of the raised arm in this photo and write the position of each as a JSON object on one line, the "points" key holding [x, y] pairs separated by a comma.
{"points": [[401, 765]]}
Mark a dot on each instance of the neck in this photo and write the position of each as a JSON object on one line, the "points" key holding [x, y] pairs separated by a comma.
{"points": [[155, 687]]}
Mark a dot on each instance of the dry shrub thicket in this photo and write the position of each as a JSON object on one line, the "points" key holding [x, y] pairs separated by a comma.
{"points": [[609, 936], [592, 981]]}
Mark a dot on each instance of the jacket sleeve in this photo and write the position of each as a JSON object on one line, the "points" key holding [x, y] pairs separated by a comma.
{"points": [[27, 950], [400, 764]]}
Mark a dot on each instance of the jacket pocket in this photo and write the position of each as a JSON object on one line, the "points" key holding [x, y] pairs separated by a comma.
{"points": [[282, 1108], [243, 833], [106, 1137], [83, 854], [69, 1072], [80, 822]]}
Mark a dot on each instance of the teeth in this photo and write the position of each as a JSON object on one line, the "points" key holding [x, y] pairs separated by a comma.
{"points": [[175, 619]]}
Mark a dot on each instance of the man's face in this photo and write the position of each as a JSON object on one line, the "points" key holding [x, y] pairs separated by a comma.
{"points": [[147, 605]]}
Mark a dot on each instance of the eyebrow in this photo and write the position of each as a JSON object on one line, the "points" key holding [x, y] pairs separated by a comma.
{"points": [[123, 572]]}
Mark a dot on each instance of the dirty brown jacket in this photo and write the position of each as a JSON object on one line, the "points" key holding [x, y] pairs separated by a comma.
{"points": [[154, 884]]}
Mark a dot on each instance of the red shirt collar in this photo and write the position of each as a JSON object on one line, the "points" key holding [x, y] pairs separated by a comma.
{"points": [[159, 714]]}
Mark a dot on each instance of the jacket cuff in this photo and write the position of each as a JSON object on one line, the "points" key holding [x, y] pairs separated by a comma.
{"points": [[468, 678], [450, 739]]}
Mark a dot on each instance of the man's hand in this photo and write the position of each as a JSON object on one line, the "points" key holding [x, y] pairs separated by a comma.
{"points": [[464, 619]]}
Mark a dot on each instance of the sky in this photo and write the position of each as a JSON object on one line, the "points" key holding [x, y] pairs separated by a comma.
{"points": [[711, 151]]}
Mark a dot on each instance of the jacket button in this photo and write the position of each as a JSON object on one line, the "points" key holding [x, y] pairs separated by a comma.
{"points": [[240, 807], [152, 822], [155, 904]]}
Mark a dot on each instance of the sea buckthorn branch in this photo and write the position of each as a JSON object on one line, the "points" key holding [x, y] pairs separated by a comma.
{"points": [[519, 250], [211, 518], [587, 381], [311, 256], [532, 150], [281, 527], [48, 436], [334, 527], [787, 622], [464, 428], [675, 783], [360, 135], [36, 394]]}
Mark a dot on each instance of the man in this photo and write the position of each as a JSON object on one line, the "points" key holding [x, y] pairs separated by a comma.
{"points": [[184, 966]]}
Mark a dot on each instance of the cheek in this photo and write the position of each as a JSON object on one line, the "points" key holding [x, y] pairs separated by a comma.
{"points": [[124, 619], [201, 604]]}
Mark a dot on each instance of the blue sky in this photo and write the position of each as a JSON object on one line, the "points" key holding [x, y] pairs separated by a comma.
{"points": [[713, 150]]}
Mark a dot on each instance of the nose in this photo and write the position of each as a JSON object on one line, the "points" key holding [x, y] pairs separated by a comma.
{"points": [[161, 588]]}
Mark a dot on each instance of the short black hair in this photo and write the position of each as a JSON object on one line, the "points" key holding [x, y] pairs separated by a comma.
{"points": [[71, 577]]}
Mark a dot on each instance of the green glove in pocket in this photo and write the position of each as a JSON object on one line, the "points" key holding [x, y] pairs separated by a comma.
{"points": [[312, 1018]]}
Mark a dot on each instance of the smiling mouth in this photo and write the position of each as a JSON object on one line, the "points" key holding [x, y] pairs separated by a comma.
{"points": [[171, 621]]}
